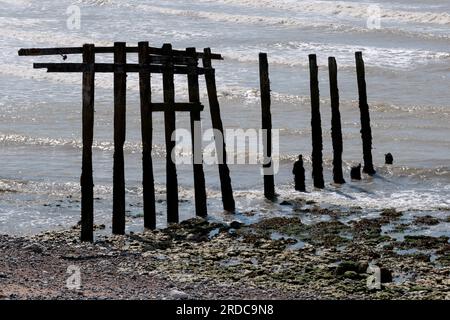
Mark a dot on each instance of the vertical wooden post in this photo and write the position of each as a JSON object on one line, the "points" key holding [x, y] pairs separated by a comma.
{"points": [[169, 123], [366, 132], [196, 131], [336, 129], [224, 172], [118, 223], [146, 133], [86, 181], [316, 126], [269, 187]]}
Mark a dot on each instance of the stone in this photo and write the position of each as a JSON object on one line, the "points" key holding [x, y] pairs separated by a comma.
{"points": [[351, 275], [34, 247], [178, 295], [235, 225], [357, 267]]}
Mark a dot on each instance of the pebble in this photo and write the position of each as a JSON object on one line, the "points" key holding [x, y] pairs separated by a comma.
{"points": [[178, 295]]}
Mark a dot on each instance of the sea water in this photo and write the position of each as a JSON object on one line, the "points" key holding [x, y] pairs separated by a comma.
{"points": [[407, 56]]}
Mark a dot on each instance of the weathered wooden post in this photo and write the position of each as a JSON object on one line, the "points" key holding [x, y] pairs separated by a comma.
{"points": [[316, 126], [169, 123], [86, 181], [224, 172], [146, 133], [196, 132], [366, 132], [120, 85], [336, 129], [269, 187]]}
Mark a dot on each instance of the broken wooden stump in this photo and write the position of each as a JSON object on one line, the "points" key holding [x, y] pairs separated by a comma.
{"points": [[388, 158], [366, 131], [355, 172], [336, 129], [316, 126], [269, 185], [299, 174]]}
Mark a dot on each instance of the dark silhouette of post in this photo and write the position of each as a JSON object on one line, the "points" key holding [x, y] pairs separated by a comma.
{"points": [[269, 187], [120, 86], [366, 132], [299, 174], [201, 209], [316, 126], [86, 181], [355, 172], [224, 172], [146, 133], [169, 123], [388, 158], [336, 129]]}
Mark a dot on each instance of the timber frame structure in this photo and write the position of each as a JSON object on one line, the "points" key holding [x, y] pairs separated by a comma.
{"points": [[167, 62]]}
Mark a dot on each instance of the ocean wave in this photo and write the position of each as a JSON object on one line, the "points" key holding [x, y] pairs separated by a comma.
{"points": [[101, 145], [294, 53], [343, 9], [297, 21]]}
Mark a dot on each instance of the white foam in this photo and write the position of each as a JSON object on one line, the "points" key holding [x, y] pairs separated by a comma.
{"points": [[402, 200], [342, 9], [295, 53]]}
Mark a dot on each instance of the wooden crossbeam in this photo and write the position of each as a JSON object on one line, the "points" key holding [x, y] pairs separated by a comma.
{"points": [[111, 67], [79, 50]]}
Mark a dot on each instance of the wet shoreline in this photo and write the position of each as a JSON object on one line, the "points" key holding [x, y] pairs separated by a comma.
{"points": [[273, 258]]}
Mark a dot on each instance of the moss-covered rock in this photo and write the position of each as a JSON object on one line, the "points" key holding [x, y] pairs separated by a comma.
{"points": [[426, 220], [424, 242]]}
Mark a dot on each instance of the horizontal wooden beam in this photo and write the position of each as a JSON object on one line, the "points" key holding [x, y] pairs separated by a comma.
{"points": [[79, 50], [187, 106], [184, 61], [117, 68]]}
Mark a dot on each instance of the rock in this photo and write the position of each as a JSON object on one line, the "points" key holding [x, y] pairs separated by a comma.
{"points": [[178, 295], [426, 220], [3, 275], [362, 266], [391, 213], [345, 266], [351, 275], [285, 203], [357, 267], [34, 247], [235, 225], [191, 237]]}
